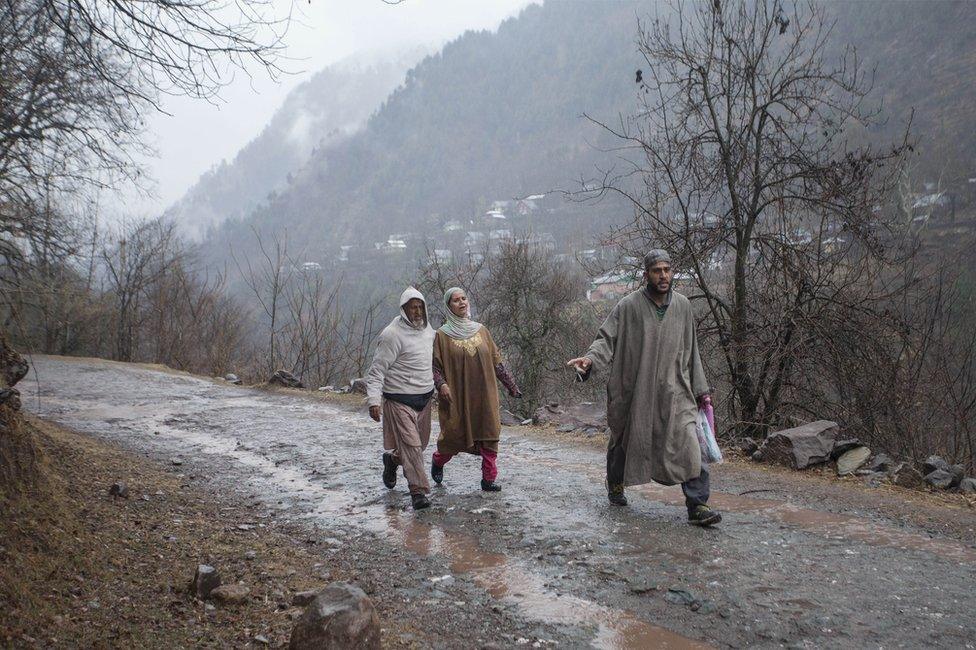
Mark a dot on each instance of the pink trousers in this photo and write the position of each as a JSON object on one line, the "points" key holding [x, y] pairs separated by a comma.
{"points": [[489, 458]]}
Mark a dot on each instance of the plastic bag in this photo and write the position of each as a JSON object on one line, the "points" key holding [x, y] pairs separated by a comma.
{"points": [[710, 452]]}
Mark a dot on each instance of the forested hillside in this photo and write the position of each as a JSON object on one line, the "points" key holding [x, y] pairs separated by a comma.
{"points": [[500, 115], [330, 106]]}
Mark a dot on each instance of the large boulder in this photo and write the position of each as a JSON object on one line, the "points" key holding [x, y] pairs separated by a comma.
{"points": [[933, 463], [851, 460], [340, 616], [968, 486], [907, 476], [939, 478], [800, 447], [286, 379]]}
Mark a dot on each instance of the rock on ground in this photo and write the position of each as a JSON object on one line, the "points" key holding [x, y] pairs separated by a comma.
{"points": [[800, 447], [852, 460], [968, 486], [933, 463], [939, 478], [286, 379], [358, 385], [230, 594], [205, 580], [340, 616]]}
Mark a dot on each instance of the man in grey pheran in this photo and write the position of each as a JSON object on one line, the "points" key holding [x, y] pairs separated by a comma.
{"points": [[656, 383]]}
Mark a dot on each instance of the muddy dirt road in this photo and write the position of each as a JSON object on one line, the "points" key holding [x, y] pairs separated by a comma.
{"points": [[546, 561]]}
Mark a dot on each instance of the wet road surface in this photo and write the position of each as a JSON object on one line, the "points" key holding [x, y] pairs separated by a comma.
{"points": [[548, 549]]}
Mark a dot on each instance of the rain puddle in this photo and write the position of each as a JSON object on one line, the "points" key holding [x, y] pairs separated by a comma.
{"points": [[825, 523], [510, 581]]}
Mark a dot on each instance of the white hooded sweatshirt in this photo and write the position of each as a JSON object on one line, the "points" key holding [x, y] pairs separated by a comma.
{"points": [[403, 359]]}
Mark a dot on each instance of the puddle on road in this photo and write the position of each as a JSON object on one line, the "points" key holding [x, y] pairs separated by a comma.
{"points": [[510, 581], [825, 523]]}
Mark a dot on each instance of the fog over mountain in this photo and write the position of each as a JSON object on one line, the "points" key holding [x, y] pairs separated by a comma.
{"points": [[332, 105]]}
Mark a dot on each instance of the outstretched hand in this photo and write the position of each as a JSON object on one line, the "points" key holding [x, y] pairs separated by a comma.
{"points": [[580, 364]]}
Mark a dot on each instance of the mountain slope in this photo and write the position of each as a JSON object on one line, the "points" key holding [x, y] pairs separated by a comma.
{"points": [[329, 107]]}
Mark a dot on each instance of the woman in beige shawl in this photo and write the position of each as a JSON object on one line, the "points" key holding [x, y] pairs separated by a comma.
{"points": [[466, 365]]}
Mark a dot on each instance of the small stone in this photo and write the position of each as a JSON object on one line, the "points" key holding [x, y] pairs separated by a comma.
{"points": [[176, 461], [232, 378], [260, 638], [968, 486], [250, 555], [526, 422], [120, 490], [230, 594], [205, 580]]}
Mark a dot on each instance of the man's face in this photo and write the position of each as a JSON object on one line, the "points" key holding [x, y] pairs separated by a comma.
{"points": [[414, 310], [658, 277]]}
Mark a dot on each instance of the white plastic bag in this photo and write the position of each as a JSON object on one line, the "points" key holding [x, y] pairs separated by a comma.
{"points": [[710, 452]]}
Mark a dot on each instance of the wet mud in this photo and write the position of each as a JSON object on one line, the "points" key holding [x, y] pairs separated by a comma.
{"points": [[548, 552]]}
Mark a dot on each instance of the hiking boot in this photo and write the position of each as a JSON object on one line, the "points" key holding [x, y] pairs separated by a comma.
{"points": [[389, 470], [420, 501], [436, 472], [703, 516], [615, 494], [490, 486]]}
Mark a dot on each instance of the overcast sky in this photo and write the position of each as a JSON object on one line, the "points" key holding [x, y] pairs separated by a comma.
{"points": [[199, 135]]}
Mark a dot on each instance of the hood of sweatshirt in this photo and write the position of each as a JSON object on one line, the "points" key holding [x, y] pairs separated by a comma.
{"points": [[409, 294]]}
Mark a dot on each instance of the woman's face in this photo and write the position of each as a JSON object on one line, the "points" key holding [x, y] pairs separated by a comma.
{"points": [[459, 304]]}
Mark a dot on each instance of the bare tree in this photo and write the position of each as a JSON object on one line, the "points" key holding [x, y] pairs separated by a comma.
{"points": [[140, 257], [268, 282], [740, 162]]}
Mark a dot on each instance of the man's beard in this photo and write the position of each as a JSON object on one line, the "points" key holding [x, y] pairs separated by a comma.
{"points": [[658, 290], [418, 322]]}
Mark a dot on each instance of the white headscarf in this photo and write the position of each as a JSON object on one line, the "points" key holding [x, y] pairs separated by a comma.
{"points": [[458, 327]]}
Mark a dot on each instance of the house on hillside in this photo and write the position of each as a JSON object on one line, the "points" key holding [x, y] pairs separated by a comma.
{"points": [[613, 285], [938, 205], [452, 226], [529, 205], [473, 239], [344, 252], [443, 256]]}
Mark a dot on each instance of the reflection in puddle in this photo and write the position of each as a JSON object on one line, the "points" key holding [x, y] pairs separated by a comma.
{"points": [[510, 581]]}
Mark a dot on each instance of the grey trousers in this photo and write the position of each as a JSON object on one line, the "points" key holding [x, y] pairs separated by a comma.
{"points": [[696, 490]]}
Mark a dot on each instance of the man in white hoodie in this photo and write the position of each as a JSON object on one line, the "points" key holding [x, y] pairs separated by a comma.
{"points": [[400, 385]]}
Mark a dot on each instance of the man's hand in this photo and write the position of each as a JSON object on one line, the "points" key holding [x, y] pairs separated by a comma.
{"points": [[580, 364], [704, 400], [444, 394], [374, 412]]}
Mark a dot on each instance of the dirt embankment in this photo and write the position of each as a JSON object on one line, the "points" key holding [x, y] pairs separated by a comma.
{"points": [[81, 568]]}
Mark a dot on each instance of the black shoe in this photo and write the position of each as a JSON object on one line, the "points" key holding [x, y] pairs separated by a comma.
{"points": [[436, 472], [703, 516], [615, 494], [389, 470], [420, 501], [490, 486]]}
